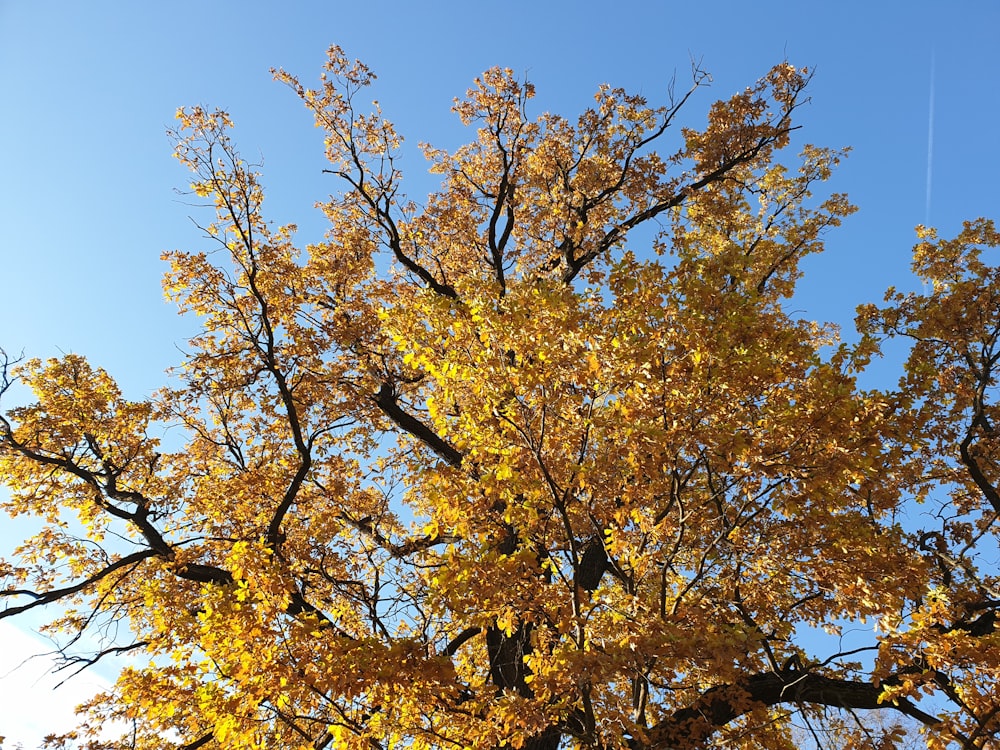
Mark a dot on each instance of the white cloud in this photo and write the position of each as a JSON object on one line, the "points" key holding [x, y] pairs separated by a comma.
{"points": [[32, 705]]}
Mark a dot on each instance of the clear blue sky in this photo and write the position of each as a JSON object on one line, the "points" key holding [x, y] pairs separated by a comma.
{"points": [[87, 199]]}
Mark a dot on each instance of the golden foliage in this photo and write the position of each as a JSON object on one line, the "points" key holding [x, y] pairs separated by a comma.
{"points": [[483, 473]]}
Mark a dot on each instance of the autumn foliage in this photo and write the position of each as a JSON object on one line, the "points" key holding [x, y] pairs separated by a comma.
{"points": [[485, 470]]}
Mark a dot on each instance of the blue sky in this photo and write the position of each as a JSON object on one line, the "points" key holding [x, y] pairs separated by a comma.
{"points": [[87, 184]]}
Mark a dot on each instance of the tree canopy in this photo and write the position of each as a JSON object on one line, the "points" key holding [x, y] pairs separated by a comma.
{"points": [[543, 460]]}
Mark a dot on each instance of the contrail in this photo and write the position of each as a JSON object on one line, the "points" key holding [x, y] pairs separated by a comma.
{"points": [[930, 147]]}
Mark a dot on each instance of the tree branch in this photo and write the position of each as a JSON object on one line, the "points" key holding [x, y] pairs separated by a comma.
{"points": [[387, 400], [618, 232], [47, 597], [723, 704]]}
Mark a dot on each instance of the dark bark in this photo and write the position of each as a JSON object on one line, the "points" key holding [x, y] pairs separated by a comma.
{"points": [[593, 563], [718, 706], [506, 654], [387, 400]]}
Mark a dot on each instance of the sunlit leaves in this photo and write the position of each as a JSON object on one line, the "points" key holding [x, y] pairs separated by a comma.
{"points": [[486, 471]]}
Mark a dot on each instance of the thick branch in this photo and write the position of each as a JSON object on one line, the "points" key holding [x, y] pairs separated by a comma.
{"points": [[719, 706], [975, 471], [502, 207], [200, 742], [456, 643], [47, 597], [387, 401]]}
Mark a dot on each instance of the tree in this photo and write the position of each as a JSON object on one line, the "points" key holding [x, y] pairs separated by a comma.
{"points": [[476, 473]]}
